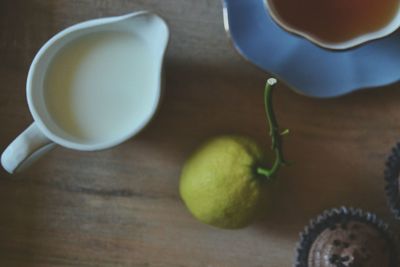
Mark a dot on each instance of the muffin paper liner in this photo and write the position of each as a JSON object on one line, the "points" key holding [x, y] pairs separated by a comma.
{"points": [[334, 216], [392, 172]]}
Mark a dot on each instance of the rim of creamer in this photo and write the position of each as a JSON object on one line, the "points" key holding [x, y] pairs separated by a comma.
{"points": [[41, 122]]}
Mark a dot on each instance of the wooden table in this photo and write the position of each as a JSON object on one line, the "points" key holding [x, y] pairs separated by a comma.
{"points": [[121, 207]]}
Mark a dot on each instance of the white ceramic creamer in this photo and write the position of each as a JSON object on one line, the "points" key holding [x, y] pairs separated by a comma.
{"points": [[92, 86]]}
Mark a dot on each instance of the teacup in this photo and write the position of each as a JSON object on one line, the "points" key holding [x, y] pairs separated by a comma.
{"points": [[336, 24], [92, 86]]}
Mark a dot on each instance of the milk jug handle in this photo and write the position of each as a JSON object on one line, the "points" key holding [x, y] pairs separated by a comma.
{"points": [[29, 146]]}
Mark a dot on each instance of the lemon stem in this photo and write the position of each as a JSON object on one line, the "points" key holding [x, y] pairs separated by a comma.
{"points": [[274, 132]]}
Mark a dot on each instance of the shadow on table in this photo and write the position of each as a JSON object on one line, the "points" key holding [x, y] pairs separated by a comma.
{"points": [[26, 26], [338, 146]]}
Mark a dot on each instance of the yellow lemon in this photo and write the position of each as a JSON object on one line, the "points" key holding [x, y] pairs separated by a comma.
{"points": [[222, 183], [219, 184]]}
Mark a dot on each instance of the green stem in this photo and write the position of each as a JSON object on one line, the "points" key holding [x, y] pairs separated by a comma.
{"points": [[274, 132]]}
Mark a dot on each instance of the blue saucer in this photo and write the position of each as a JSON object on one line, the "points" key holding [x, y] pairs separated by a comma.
{"points": [[305, 67]]}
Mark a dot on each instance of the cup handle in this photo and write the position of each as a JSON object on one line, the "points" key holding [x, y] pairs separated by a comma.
{"points": [[29, 146]]}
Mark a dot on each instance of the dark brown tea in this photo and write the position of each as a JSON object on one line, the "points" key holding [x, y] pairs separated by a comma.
{"points": [[335, 21]]}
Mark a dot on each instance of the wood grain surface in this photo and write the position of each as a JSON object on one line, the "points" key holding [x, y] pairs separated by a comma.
{"points": [[121, 207]]}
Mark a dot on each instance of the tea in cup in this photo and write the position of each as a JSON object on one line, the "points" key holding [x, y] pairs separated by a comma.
{"points": [[337, 24]]}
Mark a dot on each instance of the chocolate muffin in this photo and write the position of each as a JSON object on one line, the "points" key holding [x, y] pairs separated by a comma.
{"points": [[392, 173], [346, 237]]}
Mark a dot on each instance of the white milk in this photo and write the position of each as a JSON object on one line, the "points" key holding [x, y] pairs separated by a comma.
{"points": [[101, 86]]}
